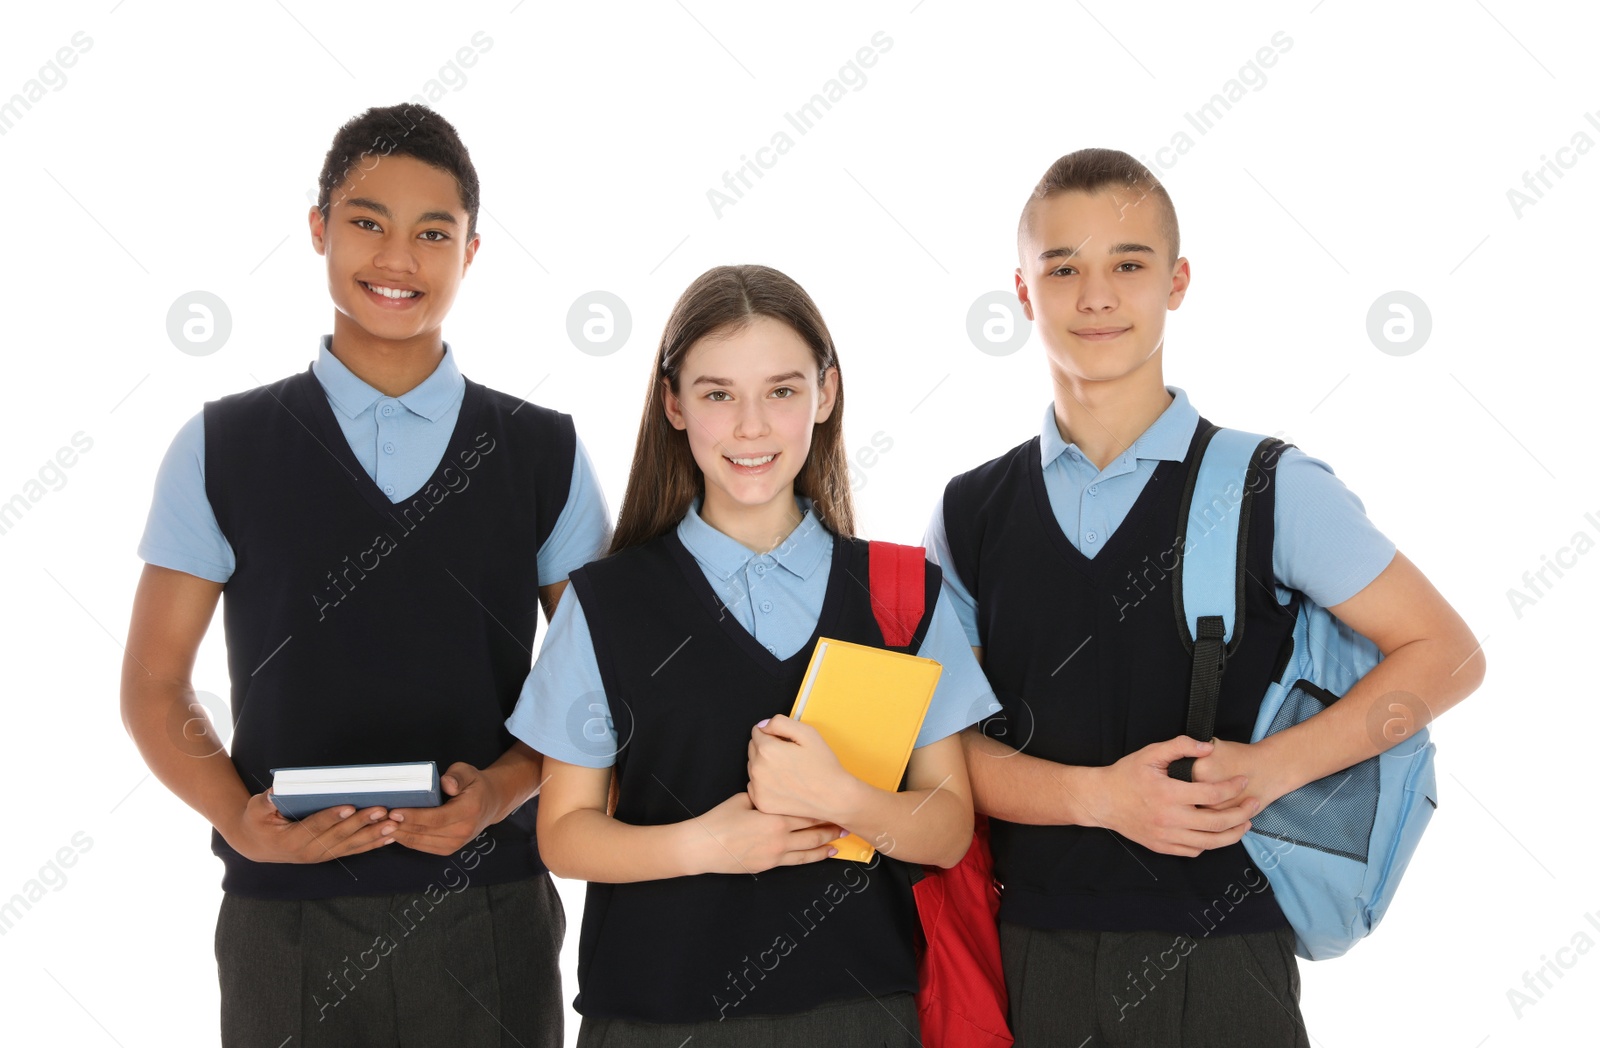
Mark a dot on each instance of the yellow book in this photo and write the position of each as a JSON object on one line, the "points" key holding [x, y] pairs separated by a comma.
{"points": [[868, 705]]}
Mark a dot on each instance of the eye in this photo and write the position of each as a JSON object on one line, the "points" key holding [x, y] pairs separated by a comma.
{"points": [[357, 222], [1062, 270], [1135, 265], [718, 395], [784, 392], [441, 234]]}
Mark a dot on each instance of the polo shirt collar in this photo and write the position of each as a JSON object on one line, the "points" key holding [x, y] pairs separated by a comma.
{"points": [[430, 398], [1168, 437], [800, 553]]}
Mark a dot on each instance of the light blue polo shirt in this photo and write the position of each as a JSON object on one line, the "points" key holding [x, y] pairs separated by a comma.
{"points": [[399, 441], [1323, 544], [777, 597]]}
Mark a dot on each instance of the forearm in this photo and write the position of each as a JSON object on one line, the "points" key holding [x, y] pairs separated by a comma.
{"points": [[588, 845], [181, 747], [923, 826], [1402, 694], [1009, 784], [516, 777]]}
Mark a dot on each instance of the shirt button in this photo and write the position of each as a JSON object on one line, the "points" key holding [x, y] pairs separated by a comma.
{"points": [[389, 447], [1092, 537], [388, 489], [772, 649], [388, 409], [1093, 490], [761, 569], [766, 605]]}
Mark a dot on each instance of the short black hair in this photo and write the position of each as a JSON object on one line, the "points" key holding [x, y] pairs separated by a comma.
{"points": [[411, 130]]}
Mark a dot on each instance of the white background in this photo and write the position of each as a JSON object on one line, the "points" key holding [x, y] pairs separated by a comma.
{"points": [[1374, 156]]}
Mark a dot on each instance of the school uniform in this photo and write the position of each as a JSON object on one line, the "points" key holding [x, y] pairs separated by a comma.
{"points": [[381, 558], [659, 662], [1060, 572]]}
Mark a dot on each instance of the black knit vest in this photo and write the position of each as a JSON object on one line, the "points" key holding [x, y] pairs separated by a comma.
{"points": [[1085, 657], [361, 631], [686, 683]]}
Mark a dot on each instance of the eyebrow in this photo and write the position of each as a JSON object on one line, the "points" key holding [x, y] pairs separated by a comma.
{"points": [[427, 216], [1115, 249], [711, 380]]}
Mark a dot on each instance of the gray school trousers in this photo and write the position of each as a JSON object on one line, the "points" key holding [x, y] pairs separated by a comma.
{"points": [[475, 968], [862, 1022], [1151, 989]]}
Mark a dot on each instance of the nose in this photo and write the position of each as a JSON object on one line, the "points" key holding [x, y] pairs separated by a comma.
{"points": [[1095, 293], [396, 254], [751, 419]]}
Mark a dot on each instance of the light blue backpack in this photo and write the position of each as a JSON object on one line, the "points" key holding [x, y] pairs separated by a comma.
{"points": [[1335, 849]]}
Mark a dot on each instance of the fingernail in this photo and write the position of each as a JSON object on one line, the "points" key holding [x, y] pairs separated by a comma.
{"points": [[762, 723], [345, 813], [844, 833], [386, 830], [377, 815], [832, 852]]}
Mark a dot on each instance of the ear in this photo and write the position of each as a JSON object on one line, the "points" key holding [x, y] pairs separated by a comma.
{"points": [[1022, 295], [672, 406], [472, 250], [319, 231], [828, 395], [1180, 283]]}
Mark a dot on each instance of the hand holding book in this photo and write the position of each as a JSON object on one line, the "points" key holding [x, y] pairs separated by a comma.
{"points": [[853, 725], [261, 833]]}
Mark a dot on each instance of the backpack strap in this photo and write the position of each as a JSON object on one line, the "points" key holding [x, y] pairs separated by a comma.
{"points": [[897, 586], [1208, 586]]}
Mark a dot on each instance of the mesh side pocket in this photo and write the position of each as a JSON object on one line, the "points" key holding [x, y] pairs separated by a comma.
{"points": [[1333, 814]]}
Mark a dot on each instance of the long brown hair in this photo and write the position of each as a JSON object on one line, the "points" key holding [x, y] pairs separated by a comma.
{"points": [[665, 480]]}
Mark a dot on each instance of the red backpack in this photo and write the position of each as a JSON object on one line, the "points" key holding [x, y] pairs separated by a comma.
{"points": [[961, 999]]}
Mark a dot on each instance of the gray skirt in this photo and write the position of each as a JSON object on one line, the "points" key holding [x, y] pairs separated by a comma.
{"points": [[864, 1022]]}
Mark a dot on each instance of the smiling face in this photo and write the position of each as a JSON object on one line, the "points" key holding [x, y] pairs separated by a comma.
{"points": [[396, 245], [747, 400], [1097, 278]]}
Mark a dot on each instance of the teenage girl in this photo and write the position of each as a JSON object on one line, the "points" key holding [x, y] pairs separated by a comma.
{"points": [[714, 910]]}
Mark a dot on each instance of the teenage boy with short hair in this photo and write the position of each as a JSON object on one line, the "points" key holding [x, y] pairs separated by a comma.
{"points": [[1131, 914], [382, 532]]}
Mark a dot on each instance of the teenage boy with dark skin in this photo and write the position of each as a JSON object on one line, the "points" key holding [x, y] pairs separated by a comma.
{"points": [[1085, 953], [467, 939]]}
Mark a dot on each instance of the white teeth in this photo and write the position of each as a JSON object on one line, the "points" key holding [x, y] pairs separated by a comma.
{"points": [[390, 292], [762, 461]]}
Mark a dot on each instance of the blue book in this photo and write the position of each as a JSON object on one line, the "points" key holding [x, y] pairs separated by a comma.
{"points": [[298, 792]]}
